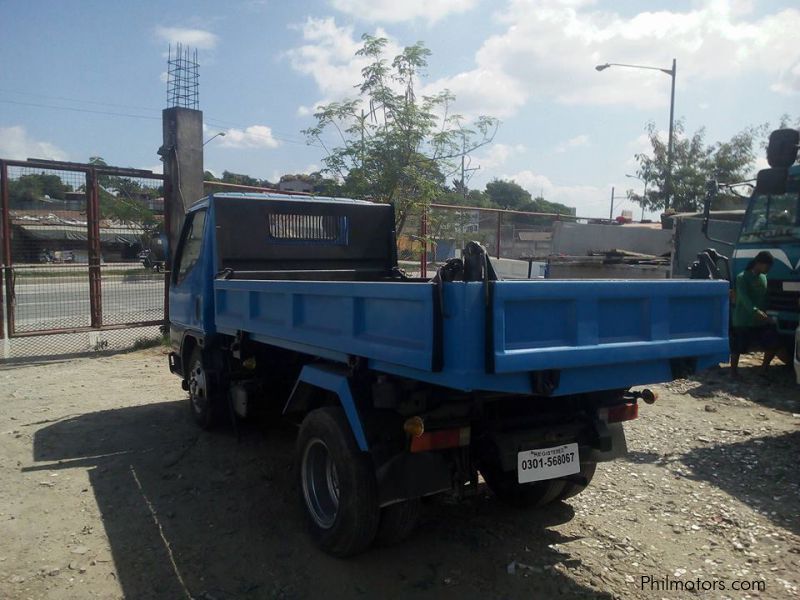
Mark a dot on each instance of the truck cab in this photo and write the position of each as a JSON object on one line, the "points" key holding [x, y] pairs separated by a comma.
{"points": [[772, 223]]}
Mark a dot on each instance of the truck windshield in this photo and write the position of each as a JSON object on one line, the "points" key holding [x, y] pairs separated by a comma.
{"points": [[772, 217]]}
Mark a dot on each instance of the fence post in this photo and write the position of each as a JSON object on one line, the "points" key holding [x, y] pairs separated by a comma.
{"points": [[423, 233], [169, 249], [499, 217], [93, 238], [5, 232]]}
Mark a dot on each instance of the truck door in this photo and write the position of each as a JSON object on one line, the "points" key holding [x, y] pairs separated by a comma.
{"points": [[188, 286]]}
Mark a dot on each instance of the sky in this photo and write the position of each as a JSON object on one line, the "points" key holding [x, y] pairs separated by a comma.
{"points": [[81, 79]]}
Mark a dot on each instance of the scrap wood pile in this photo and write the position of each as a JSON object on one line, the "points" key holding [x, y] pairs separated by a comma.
{"points": [[625, 257]]}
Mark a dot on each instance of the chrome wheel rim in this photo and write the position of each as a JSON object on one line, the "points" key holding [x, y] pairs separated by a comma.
{"points": [[198, 389], [320, 482]]}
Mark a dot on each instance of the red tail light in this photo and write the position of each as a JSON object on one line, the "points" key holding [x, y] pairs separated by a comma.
{"points": [[443, 438], [623, 412]]}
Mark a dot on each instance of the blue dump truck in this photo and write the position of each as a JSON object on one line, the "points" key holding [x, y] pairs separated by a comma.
{"points": [[405, 387]]}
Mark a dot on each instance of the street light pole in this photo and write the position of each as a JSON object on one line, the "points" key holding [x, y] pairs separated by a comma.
{"points": [[220, 134], [670, 143]]}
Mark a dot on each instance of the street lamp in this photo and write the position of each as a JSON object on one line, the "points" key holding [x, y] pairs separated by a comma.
{"points": [[644, 191], [220, 134], [671, 72]]}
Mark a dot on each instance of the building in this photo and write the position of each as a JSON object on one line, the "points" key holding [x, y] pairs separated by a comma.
{"points": [[295, 184]]}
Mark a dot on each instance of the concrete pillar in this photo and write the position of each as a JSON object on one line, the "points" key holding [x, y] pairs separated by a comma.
{"points": [[182, 152]]}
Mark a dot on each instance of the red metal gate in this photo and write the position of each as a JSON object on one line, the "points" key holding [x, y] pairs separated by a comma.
{"points": [[83, 251]]}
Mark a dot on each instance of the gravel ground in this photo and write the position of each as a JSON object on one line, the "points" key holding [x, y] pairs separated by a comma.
{"points": [[108, 491]]}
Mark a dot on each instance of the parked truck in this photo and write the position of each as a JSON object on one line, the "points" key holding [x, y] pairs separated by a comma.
{"points": [[406, 387], [771, 223]]}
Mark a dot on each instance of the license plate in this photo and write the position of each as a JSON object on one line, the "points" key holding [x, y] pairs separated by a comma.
{"points": [[547, 463], [791, 286]]}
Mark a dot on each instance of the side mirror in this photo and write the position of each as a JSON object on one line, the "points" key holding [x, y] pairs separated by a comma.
{"points": [[711, 193]]}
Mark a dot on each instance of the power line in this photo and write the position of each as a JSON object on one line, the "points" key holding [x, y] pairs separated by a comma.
{"points": [[84, 101], [80, 110], [210, 120]]}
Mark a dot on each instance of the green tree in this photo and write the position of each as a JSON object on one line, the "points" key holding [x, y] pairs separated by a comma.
{"points": [[36, 187], [123, 199], [694, 163], [391, 144], [508, 194]]}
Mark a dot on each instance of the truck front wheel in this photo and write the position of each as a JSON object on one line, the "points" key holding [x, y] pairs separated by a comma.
{"points": [[337, 484], [204, 401]]}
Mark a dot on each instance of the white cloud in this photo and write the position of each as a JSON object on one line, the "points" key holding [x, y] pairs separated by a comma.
{"points": [[789, 81], [641, 145], [329, 56], [498, 154], [195, 38], [579, 141], [550, 47], [483, 90], [589, 200], [393, 11], [255, 136], [159, 168], [15, 143]]}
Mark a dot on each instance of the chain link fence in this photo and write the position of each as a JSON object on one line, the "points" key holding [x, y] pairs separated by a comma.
{"points": [[522, 239], [83, 251]]}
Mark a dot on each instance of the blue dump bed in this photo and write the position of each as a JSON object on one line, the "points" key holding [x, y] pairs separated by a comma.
{"points": [[546, 337]]}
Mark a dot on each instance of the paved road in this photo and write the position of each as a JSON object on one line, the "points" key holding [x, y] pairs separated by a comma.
{"points": [[65, 303]]}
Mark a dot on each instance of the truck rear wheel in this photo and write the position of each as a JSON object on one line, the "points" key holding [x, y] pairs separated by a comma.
{"points": [[337, 484], [204, 401], [398, 521], [573, 489]]}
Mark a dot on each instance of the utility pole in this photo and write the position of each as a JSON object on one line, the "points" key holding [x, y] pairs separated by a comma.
{"points": [[611, 212], [463, 170], [644, 198], [362, 138]]}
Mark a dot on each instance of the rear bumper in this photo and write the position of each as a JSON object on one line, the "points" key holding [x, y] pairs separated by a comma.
{"points": [[600, 443]]}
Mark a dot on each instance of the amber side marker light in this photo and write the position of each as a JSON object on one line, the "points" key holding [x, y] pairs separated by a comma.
{"points": [[414, 426]]}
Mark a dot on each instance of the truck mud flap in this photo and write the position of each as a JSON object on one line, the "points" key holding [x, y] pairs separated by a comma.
{"points": [[407, 476]]}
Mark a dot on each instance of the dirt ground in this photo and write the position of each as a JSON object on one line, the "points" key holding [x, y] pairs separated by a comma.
{"points": [[107, 490]]}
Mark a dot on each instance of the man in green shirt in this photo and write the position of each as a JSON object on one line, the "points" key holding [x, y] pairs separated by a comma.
{"points": [[753, 329]]}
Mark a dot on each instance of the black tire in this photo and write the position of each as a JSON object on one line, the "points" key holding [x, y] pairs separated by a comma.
{"points": [[204, 401], [398, 522], [337, 484], [522, 495], [573, 489]]}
